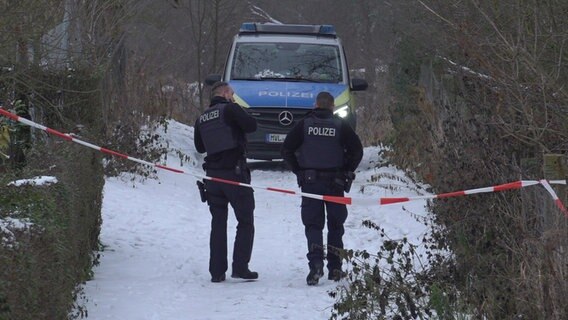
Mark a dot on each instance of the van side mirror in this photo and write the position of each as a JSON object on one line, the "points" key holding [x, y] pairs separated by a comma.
{"points": [[212, 78], [359, 84]]}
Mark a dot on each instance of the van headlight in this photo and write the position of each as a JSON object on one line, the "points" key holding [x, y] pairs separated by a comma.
{"points": [[342, 111]]}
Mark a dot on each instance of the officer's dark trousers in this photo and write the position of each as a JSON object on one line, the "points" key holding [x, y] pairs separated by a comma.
{"points": [[219, 195], [313, 217]]}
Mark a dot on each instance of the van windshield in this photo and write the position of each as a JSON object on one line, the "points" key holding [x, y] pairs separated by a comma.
{"points": [[287, 61]]}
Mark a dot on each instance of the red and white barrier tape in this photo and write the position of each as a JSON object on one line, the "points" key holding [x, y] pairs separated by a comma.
{"points": [[557, 201], [502, 187], [335, 199]]}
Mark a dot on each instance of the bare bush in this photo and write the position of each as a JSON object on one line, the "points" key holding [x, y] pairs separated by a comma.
{"points": [[473, 112]]}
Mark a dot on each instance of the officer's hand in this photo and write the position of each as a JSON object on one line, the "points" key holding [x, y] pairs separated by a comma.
{"points": [[299, 177], [349, 175]]}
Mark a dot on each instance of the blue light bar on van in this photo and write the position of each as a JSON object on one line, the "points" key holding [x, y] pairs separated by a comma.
{"points": [[316, 29], [327, 29], [248, 27]]}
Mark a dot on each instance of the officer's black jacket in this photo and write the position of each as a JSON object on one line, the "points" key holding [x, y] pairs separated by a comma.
{"points": [[349, 140], [234, 116]]}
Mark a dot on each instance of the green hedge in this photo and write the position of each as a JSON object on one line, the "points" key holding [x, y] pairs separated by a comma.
{"points": [[42, 265]]}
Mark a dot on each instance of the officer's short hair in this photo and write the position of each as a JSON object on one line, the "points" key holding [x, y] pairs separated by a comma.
{"points": [[218, 88], [324, 100]]}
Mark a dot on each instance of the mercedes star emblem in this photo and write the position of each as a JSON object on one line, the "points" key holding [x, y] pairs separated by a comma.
{"points": [[285, 118]]}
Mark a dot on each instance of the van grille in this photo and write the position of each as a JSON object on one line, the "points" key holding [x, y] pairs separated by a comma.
{"points": [[267, 118]]}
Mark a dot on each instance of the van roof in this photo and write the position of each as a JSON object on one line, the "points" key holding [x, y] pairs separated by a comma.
{"points": [[320, 30]]}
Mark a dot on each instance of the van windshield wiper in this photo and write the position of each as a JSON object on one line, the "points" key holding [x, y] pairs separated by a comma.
{"points": [[248, 79], [291, 79]]}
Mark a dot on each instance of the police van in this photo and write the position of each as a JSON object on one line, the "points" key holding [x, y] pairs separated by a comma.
{"points": [[277, 70]]}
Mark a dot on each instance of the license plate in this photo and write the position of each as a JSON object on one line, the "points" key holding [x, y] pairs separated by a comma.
{"points": [[275, 138]]}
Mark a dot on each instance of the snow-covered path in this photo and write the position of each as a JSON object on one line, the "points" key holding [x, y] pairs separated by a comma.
{"points": [[156, 238]]}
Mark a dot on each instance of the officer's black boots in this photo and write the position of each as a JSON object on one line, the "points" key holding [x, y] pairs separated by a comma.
{"points": [[245, 274], [241, 274], [315, 274], [336, 274], [220, 278]]}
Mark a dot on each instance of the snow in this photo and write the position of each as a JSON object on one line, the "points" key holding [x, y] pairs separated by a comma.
{"points": [[7, 227], [466, 69], [156, 238], [35, 181]]}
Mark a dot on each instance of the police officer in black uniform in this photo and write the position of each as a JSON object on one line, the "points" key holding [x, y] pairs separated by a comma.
{"points": [[220, 132], [323, 151]]}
